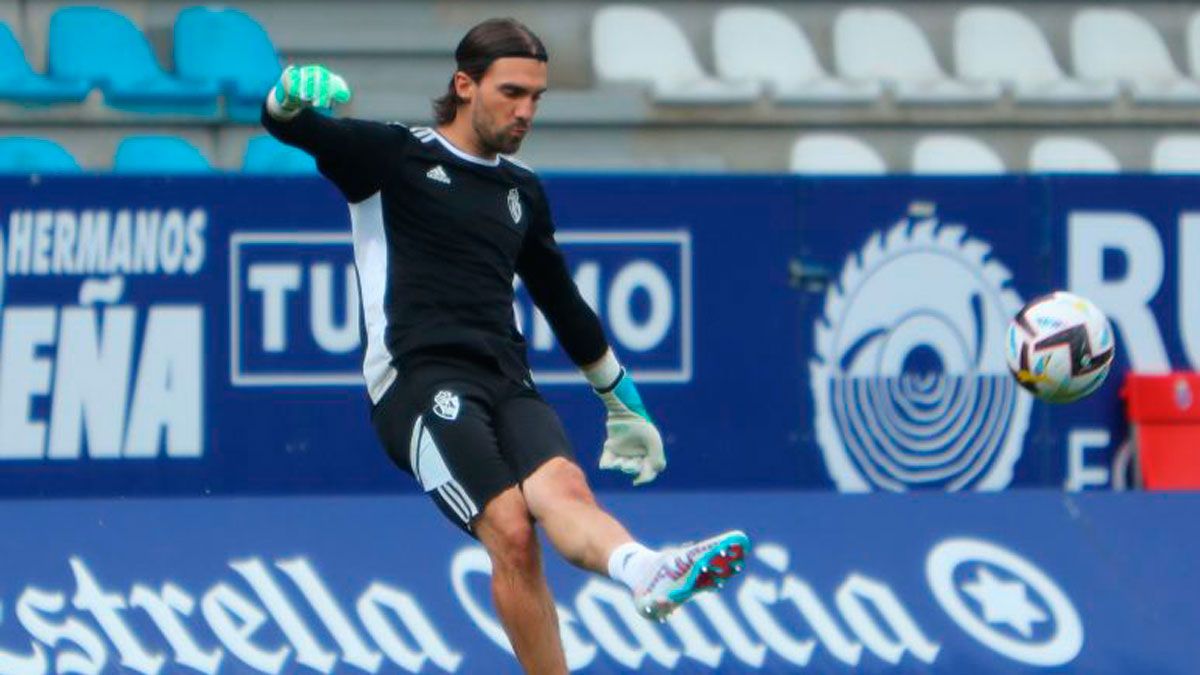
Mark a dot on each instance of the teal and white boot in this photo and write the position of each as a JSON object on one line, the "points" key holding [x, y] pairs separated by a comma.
{"points": [[681, 572]]}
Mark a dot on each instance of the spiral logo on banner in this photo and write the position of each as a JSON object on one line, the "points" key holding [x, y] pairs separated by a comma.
{"points": [[909, 381]]}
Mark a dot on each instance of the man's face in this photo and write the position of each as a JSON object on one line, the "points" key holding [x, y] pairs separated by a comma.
{"points": [[504, 101]]}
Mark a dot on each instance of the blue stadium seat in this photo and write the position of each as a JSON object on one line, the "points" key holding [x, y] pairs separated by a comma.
{"points": [[230, 48], [158, 154], [264, 154], [105, 48], [19, 83], [19, 154]]}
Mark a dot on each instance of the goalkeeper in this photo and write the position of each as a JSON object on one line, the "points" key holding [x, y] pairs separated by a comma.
{"points": [[442, 219]]}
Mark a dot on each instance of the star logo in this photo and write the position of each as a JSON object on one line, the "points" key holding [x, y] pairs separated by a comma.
{"points": [[1004, 602]]}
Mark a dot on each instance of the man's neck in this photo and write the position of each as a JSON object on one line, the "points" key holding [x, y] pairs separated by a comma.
{"points": [[460, 134]]}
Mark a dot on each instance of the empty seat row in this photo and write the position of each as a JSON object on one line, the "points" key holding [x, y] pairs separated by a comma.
{"points": [[151, 155], [812, 154], [952, 154], [218, 53], [760, 50]]}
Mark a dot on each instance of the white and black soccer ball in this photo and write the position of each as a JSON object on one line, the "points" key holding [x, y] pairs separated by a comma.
{"points": [[1060, 347]]}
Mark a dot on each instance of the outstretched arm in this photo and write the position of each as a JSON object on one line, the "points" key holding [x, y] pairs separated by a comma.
{"points": [[351, 153]]}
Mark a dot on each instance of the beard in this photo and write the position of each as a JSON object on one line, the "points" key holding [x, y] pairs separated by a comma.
{"points": [[500, 141]]}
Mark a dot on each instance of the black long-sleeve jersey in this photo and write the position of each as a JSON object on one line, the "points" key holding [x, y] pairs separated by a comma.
{"points": [[438, 236]]}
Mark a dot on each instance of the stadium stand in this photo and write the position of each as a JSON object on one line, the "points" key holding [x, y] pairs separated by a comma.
{"points": [[998, 44], [265, 155], [1176, 154], [835, 154], [763, 45], [641, 45], [34, 155], [227, 47], [882, 44], [1193, 44], [19, 83], [105, 48], [955, 154], [707, 85], [158, 154], [1142, 62], [1071, 154]]}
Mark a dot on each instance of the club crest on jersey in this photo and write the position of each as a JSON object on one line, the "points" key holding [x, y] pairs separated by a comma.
{"points": [[446, 405], [514, 205]]}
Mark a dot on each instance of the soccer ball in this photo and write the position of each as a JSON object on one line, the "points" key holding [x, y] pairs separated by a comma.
{"points": [[1060, 347]]}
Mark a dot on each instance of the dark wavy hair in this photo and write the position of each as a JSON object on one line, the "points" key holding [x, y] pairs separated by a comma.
{"points": [[493, 39]]}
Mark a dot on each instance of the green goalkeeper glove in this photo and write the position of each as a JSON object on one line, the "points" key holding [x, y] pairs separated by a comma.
{"points": [[634, 445], [302, 87]]}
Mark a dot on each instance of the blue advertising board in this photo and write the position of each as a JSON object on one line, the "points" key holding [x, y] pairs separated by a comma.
{"points": [[202, 336], [1034, 581]]}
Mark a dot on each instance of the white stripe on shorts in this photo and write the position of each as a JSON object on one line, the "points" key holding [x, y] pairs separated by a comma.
{"points": [[414, 447], [453, 503], [432, 472], [454, 486]]}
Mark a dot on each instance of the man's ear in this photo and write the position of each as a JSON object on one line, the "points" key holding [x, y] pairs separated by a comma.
{"points": [[464, 86]]}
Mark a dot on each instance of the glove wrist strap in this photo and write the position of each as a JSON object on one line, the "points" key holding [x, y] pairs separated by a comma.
{"points": [[604, 374], [275, 108]]}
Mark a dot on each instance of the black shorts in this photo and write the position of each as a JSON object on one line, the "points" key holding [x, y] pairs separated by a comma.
{"points": [[466, 433]]}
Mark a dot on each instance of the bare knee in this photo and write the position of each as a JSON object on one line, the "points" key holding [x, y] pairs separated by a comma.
{"points": [[506, 531], [556, 483]]}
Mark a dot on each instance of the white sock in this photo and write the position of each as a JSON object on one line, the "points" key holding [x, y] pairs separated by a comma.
{"points": [[630, 563]]}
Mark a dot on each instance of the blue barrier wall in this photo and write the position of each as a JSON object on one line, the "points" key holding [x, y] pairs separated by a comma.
{"points": [[200, 336], [1030, 582]]}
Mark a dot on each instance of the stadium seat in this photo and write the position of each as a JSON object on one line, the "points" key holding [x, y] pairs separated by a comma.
{"points": [[948, 154], [764, 45], [19, 83], [265, 155], [1001, 44], [835, 155], [158, 155], [641, 45], [882, 44], [1193, 45], [1176, 154], [1164, 418], [106, 49], [1116, 44], [19, 154], [230, 48], [1071, 154]]}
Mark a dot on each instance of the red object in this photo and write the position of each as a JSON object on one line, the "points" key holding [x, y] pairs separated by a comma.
{"points": [[1164, 414]]}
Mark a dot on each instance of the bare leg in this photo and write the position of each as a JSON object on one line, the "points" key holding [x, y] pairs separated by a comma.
{"points": [[519, 586], [560, 499]]}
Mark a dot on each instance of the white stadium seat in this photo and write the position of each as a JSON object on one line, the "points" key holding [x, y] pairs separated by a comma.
{"points": [[882, 44], [764, 45], [1176, 154], [1071, 154], [1116, 44], [1193, 45], [953, 154], [835, 155], [636, 44], [1001, 44]]}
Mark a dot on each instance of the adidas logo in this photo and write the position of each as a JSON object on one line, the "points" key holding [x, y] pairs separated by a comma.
{"points": [[438, 174]]}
